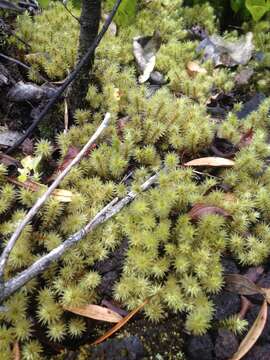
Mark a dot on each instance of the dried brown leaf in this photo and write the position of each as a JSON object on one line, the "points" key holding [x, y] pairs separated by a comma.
{"points": [[254, 273], [246, 138], [120, 324], [241, 285], [9, 162], [200, 210], [61, 195], [210, 161], [267, 294], [95, 312], [194, 68], [28, 147], [253, 334], [72, 152]]}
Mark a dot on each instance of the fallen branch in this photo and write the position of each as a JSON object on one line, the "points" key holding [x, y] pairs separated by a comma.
{"points": [[10, 286], [32, 212], [18, 62], [73, 75]]}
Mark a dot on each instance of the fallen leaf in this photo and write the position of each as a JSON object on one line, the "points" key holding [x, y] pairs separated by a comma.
{"points": [[222, 147], [120, 324], [194, 68], [267, 294], [11, 163], [72, 152], [117, 94], [27, 147], [210, 161], [246, 138], [61, 195], [16, 351], [111, 305], [96, 312], [245, 306], [227, 53], [254, 273], [240, 284], [9, 137], [253, 334], [121, 123], [144, 50], [200, 210]]}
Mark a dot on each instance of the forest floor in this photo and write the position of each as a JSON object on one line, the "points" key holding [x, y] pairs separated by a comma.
{"points": [[222, 83]]}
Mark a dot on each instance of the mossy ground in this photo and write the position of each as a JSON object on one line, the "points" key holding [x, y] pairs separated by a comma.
{"points": [[168, 256]]}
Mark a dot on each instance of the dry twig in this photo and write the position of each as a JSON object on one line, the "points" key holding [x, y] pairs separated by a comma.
{"points": [[10, 286], [32, 212]]}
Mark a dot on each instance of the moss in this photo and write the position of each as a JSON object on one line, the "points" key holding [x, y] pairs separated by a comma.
{"points": [[168, 255]]}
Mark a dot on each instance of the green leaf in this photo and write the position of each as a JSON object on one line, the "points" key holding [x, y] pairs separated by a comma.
{"points": [[23, 174], [236, 5], [126, 12], [44, 3], [257, 8]]}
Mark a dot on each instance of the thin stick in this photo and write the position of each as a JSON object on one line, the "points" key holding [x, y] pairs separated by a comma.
{"points": [[32, 212], [68, 80], [43, 263], [22, 65], [70, 13]]}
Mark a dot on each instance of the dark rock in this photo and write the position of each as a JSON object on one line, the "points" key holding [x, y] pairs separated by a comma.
{"points": [[200, 348], [107, 282], [226, 344], [264, 280], [229, 266], [156, 78], [151, 90], [258, 353], [110, 269], [129, 348], [251, 105], [114, 261], [226, 304], [251, 317]]}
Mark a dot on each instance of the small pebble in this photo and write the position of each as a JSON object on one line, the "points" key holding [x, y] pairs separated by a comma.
{"points": [[226, 344], [226, 304], [200, 348]]}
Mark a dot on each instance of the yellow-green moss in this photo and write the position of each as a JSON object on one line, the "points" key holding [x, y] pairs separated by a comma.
{"points": [[168, 255]]}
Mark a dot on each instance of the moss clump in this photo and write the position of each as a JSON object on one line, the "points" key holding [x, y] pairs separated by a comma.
{"points": [[169, 255]]}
